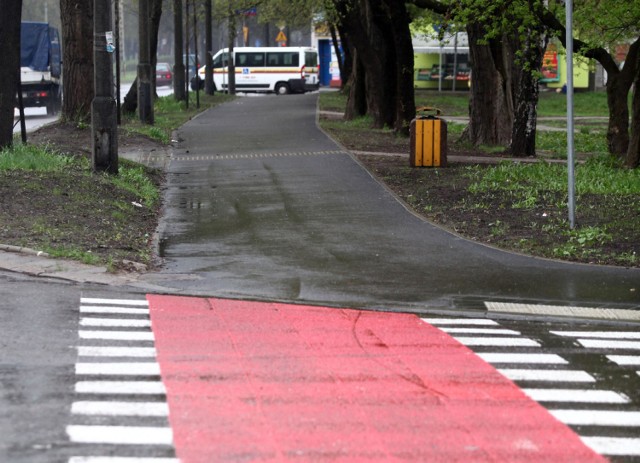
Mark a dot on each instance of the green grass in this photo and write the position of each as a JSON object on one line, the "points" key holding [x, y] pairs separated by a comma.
{"points": [[551, 104], [36, 158], [170, 114], [599, 175]]}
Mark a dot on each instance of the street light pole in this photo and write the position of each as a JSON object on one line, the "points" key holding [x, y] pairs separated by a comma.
{"points": [[570, 134], [145, 106], [104, 129]]}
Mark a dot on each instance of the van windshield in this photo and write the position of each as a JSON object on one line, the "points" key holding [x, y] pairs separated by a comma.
{"points": [[221, 61]]}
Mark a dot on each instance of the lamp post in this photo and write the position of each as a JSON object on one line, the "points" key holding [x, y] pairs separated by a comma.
{"points": [[104, 130]]}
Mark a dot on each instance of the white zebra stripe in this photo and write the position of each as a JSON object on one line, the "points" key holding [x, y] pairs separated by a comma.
{"points": [[115, 322], [132, 302], [495, 341], [480, 331], [598, 334], [112, 408], [622, 446], [576, 395], [112, 310], [120, 387], [609, 344], [548, 375], [117, 335], [98, 351], [460, 321], [124, 368], [136, 435], [500, 357], [597, 417], [625, 360], [122, 460]]}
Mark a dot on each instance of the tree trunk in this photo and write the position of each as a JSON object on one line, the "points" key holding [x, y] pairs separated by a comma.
{"points": [[490, 110], [405, 109], [77, 56], [130, 103], [155, 14], [348, 61], [10, 69], [525, 94], [364, 21], [633, 152], [356, 101], [618, 87]]}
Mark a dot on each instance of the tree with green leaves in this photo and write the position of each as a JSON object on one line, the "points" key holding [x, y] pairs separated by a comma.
{"points": [[379, 41], [601, 26]]}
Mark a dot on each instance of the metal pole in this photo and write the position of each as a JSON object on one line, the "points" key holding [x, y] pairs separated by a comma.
{"points": [[145, 99], [570, 129], [186, 47], [116, 6], [195, 51], [104, 129]]}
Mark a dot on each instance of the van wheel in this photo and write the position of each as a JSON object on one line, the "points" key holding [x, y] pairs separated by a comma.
{"points": [[282, 88]]}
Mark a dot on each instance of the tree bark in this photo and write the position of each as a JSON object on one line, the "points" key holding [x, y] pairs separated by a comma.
{"points": [[77, 56], [633, 152], [155, 14], [525, 95], [490, 109], [356, 88], [405, 109], [10, 69]]}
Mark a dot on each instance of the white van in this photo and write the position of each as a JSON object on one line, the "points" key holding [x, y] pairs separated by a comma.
{"points": [[267, 69]]}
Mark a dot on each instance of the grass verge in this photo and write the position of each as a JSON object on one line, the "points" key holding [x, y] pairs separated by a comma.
{"points": [[50, 200], [515, 206]]}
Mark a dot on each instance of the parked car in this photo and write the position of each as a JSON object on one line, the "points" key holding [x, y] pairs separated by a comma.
{"points": [[164, 75]]}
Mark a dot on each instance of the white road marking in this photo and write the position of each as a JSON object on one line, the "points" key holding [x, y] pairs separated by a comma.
{"points": [[479, 331], [120, 387], [548, 375], [122, 460], [112, 310], [136, 435], [460, 321], [609, 344], [99, 351], [576, 395], [499, 357], [112, 408], [623, 446], [133, 302], [597, 417], [599, 334], [501, 342], [115, 322], [124, 368], [625, 360], [117, 335], [563, 311]]}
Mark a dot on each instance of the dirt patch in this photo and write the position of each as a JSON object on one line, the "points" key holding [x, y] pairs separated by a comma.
{"points": [[77, 214]]}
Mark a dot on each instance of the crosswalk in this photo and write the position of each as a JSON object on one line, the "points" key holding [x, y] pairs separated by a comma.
{"points": [[586, 378], [120, 413]]}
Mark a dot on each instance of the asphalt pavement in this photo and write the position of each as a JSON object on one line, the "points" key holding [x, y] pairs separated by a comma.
{"points": [[261, 204]]}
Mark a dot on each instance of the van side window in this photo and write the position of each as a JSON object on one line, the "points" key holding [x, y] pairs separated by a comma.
{"points": [[283, 59], [250, 59]]}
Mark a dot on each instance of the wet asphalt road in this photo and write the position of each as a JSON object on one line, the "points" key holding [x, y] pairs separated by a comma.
{"points": [[261, 204]]}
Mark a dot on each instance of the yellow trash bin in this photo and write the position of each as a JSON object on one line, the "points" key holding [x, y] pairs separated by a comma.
{"points": [[428, 140]]}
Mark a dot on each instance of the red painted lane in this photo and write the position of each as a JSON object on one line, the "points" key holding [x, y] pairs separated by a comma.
{"points": [[251, 381]]}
